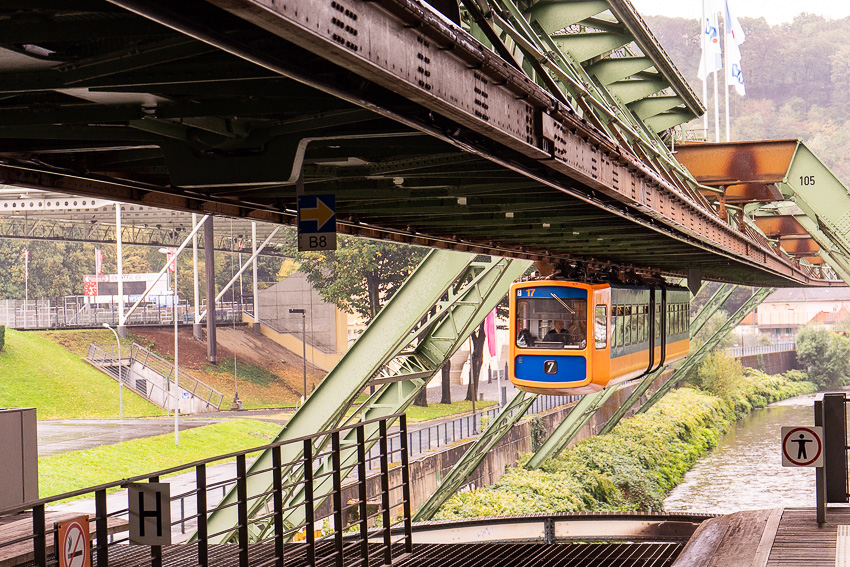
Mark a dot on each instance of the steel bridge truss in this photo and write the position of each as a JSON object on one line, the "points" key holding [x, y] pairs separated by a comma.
{"points": [[437, 308]]}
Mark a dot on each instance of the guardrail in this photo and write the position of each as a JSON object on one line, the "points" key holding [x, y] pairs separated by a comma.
{"points": [[761, 349], [318, 538], [45, 314], [105, 357]]}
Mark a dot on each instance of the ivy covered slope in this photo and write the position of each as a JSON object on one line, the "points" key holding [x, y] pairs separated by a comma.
{"points": [[633, 467]]}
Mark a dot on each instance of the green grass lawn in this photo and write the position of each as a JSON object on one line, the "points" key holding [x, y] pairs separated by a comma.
{"points": [[35, 372], [111, 463]]}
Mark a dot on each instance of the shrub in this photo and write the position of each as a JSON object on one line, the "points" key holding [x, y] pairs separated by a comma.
{"points": [[825, 355], [2, 337], [634, 466]]}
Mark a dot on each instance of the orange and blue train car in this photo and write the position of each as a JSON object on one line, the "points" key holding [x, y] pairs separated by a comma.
{"points": [[577, 338]]}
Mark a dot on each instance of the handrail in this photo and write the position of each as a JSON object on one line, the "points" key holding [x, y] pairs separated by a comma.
{"points": [[195, 387]]}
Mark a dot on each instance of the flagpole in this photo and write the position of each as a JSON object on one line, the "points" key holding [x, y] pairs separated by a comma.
{"points": [[705, 73], [726, 70]]}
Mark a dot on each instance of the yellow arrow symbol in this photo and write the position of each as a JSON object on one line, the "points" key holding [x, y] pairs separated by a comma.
{"points": [[321, 213]]}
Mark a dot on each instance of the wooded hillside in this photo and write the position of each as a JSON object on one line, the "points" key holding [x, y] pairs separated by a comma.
{"points": [[797, 78]]}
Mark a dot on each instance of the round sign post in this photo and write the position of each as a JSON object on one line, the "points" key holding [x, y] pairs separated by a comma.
{"points": [[802, 446], [74, 549]]}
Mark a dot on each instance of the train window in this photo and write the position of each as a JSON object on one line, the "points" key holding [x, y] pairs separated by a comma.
{"points": [[551, 322], [657, 324], [621, 324], [640, 324], [600, 326], [627, 325]]}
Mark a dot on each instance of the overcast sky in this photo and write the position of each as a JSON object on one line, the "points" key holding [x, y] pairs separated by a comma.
{"points": [[774, 11]]}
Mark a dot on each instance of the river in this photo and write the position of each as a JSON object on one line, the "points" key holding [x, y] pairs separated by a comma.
{"points": [[745, 472]]}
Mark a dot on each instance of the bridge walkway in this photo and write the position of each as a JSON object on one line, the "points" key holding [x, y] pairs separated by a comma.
{"points": [[781, 537]]}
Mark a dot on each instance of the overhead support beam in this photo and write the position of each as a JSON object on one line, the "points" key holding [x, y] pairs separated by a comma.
{"points": [[609, 71], [498, 427], [695, 358], [555, 16], [586, 46]]}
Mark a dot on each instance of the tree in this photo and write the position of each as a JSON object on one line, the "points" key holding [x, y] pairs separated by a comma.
{"points": [[362, 274], [825, 355], [477, 337]]}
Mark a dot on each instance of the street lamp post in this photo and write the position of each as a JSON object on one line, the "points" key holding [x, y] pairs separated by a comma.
{"points": [[120, 373], [171, 258], [303, 313]]}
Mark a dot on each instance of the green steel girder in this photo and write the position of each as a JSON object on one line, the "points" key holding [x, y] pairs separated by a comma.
{"points": [[406, 374], [609, 71], [541, 54], [386, 335], [492, 434], [712, 306], [587, 46], [635, 89], [830, 251], [821, 196], [555, 16], [667, 120], [581, 413], [655, 105], [695, 358], [470, 288], [631, 400]]}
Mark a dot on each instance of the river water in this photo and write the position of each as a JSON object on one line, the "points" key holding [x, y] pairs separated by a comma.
{"points": [[745, 472]]}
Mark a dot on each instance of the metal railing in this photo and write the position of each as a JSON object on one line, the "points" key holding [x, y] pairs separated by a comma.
{"points": [[432, 437], [105, 357], [343, 527], [737, 352], [74, 313]]}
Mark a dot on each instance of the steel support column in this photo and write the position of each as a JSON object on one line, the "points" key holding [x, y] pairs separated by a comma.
{"points": [[695, 358], [398, 324], [703, 315], [494, 432], [583, 411], [209, 272]]}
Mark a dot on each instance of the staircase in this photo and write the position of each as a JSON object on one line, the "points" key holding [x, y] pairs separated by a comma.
{"points": [[152, 377]]}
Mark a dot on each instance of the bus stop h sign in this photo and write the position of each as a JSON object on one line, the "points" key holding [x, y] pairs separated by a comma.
{"points": [[802, 446]]}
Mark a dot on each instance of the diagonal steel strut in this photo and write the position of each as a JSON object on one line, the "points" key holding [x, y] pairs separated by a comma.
{"points": [[402, 348]]}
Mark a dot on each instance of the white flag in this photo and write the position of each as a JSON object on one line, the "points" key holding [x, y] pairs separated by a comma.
{"points": [[711, 54], [734, 37]]}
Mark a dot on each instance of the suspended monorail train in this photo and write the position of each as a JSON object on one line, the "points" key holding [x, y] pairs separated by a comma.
{"points": [[577, 338]]}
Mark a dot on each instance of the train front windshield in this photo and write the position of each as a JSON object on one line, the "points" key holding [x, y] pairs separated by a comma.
{"points": [[550, 317]]}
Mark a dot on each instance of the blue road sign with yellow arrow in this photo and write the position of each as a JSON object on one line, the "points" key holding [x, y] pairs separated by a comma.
{"points": [[316, 222]]}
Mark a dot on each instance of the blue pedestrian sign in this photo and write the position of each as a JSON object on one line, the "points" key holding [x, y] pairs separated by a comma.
{"points": [[316, 222]]}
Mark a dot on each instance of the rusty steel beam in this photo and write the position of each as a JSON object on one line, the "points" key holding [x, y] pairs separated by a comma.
{"points": [[764, 162], [456, 77], [774, 226]]}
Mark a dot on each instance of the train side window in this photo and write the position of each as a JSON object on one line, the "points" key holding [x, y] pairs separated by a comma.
{"points": [[627, 325], [621, 324], [600, 326], [640, 324]]}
